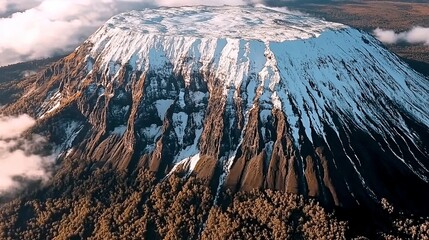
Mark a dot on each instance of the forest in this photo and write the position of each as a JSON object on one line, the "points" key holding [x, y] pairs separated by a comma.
{"points": [[88, 202]]}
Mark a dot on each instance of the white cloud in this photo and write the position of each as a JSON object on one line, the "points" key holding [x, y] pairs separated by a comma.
{"points": [[3, 6], [12, 127], [386, 36], [49, 28], [417, 35], [41, 28], [17, 159], [8, 7]]}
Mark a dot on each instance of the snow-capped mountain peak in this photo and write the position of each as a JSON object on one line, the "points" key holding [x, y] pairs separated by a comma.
{"points": [[246, 98]]}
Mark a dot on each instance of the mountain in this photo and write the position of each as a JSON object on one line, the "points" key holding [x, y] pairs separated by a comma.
{"points": [[241, 98], [11, 75]]}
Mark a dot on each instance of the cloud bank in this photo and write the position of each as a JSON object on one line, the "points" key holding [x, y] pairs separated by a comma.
{"points": [[34, 29], [417, 35], [19, 163]]}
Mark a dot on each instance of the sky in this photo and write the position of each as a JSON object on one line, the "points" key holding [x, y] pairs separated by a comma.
{"points": [[35, 29]]}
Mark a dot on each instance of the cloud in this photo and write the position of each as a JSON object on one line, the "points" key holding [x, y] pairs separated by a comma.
{"points": [[12, 127], [50, 28], [7, 7], [3, 7], [21, 159], [417, 35], [386, 36]]}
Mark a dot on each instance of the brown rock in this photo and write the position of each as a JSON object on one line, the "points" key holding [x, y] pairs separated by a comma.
{"points": [[311, 177], [283, 152], [254, 173], [326, 178], [292, 177], [249, 149], [205, 168]]}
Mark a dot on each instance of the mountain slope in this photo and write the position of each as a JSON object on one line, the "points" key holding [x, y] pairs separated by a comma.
{"points": [[242, 98]]}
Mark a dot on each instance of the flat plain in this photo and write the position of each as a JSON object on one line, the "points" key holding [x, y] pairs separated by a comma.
{"points": [[389, 15]]}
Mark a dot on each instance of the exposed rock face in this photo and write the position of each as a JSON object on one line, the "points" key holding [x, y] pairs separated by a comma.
{"points": [[245, 98]]}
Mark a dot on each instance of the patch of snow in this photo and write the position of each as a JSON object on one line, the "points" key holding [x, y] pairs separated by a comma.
{"points": [[150, 135], [70, 151], [264, 114], [162, 106], [180, 121], [57, 105], [119, 130], [269, 151], [89, 63], [52, 103], [189, 156], [193, 162], [182, 99], [152, 132], [198, 97], [71, 130]]}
